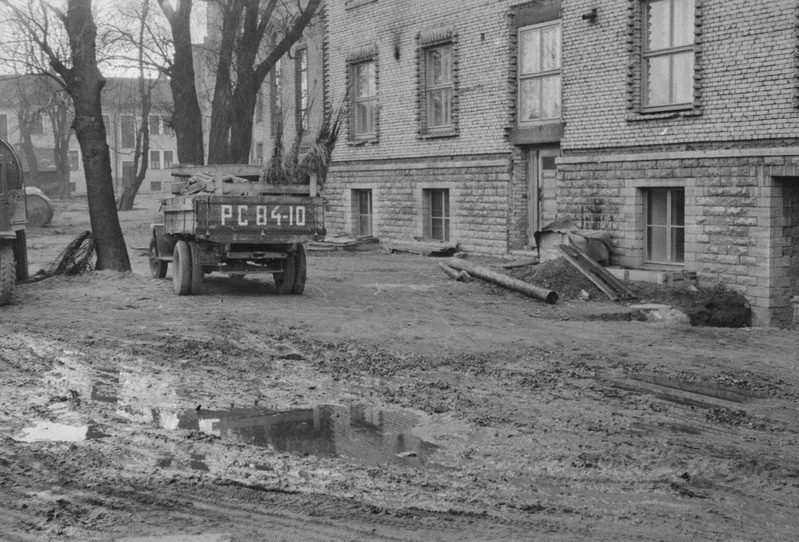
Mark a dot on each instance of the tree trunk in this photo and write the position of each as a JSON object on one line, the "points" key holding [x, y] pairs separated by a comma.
{"points": [[85, 83], [187, 118], [244, 101], [26, 144]]}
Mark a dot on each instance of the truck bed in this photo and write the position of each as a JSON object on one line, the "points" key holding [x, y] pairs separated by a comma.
{"points": [[233, 219]]}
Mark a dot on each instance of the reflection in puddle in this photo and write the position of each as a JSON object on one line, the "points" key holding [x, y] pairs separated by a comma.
{"points": [[58, 432], [364, 433]]}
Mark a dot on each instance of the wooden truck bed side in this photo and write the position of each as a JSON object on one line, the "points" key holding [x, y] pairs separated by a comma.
{"points": [[245, 219]]}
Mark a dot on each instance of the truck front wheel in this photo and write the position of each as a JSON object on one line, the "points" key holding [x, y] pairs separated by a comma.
{"points": [[284, 282], [181, 268], [8, 273]]}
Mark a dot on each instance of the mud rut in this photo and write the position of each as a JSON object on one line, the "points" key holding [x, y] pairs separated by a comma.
{"points": [[526, 421]]}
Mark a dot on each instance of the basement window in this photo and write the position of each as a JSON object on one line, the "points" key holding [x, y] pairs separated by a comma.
{"points": [[665, 225], [437, 219]]}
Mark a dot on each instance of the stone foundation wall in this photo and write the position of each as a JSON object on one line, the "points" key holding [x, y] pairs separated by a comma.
{"points": [[740, 215], [478, 196]]}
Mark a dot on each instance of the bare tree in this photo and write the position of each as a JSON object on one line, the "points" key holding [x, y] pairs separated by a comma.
{"points": [[245, 58], [131, 185], [187, 118], [79, 75]]}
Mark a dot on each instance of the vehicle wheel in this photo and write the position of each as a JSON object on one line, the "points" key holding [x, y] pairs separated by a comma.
{"points": [[300, 270], [21, 255], [157, 267], [284, 282], [197, 272], [181, 268], [8, 273]]}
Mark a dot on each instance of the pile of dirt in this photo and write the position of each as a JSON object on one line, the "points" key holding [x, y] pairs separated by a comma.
{"points": [[558, 275], [717, 306]]}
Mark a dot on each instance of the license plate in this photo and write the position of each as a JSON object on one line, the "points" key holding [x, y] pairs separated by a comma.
{"points": [[262, 215]]}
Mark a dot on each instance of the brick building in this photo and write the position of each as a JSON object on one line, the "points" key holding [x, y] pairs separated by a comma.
{"points": [[29, 99], [672, 124]]}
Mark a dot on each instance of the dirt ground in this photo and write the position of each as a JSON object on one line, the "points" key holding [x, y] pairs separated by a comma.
{"points": [[386, 403]]}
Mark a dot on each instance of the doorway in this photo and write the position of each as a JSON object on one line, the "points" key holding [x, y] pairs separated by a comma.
{"points": [[541, 189]]}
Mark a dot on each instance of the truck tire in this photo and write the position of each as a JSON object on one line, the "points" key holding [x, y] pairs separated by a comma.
{"points": [[284, 282], [21, 255], [157, 267], [8, 273], [300, 270], [181, 268], [197, 272]]}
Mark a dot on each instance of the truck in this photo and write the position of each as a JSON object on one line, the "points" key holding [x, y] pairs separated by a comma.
{"points": [[13, 215], [224, 219]]}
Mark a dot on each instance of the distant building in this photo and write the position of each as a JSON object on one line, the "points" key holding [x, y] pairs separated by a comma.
{"points": [[29, 99], [672, 124]]}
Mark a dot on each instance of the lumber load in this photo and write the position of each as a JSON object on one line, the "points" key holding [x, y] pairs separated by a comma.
{"points": [[549, 296]]}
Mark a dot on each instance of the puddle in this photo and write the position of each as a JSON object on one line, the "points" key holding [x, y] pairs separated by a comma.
{"points": [[58, 432], [362, 433]]}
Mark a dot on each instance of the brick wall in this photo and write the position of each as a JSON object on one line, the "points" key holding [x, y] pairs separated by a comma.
{"points": [[745, 80]]}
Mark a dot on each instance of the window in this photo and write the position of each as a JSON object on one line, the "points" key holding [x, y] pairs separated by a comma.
{"points": [[364, 117], [539, 73], [668, 53], [665, 225], [155, 159], [155, 186], [3, 126], [74, 160], [302, 99], [275, 100], [439, 87], [363, 208], [168, 159], [155, 125], [437, 214], [259, 154], [34, 123], [259, 106], [128, 127]]}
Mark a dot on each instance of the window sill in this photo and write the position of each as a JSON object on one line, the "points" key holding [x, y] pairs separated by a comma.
{"points": [[437, 134], [362, 142], [662, 114]]}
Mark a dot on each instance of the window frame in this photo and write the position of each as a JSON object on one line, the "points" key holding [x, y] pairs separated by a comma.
{"points": [[155, 164], [427, 43], [155, 127], [167, 164], [353, 135], [430, 216], [74, 159], [675, 256], [540, 75], [302, 89], [360, 214], [123, 136], [671, 51]]}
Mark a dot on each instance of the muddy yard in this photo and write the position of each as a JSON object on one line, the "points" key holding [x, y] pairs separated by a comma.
{"points": [[386, 403]]}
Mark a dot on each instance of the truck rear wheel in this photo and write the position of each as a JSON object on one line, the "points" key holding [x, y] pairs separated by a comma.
{"points": [[300, 270], [8, 273], [181, 268], [21, 255], [284, 282], [157, 267], [197, 271]]}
